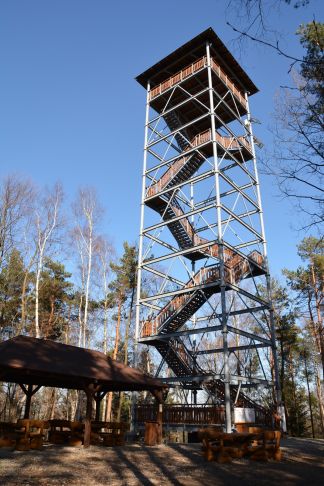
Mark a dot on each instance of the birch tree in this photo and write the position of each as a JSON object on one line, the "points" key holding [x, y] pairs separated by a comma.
{"points": [[105, 253], [87, 214], [46, 222], [16, 196]]}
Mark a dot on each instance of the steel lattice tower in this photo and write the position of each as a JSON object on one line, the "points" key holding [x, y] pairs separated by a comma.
{"points": [[203, 297]]}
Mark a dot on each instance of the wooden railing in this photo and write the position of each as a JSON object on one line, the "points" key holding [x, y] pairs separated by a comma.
{"points": [[263, 417], [182, 352], [178, 77], [228, 143], [193, 68], [243, 266], [194, 414], [220, 73], [181, 414]]}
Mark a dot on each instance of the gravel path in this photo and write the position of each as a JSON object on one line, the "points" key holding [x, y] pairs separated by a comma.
{"points": [[173, 464]]}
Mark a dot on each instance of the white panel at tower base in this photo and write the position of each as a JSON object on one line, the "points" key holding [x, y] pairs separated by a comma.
{"points": [[282, 414], [244, 415]]}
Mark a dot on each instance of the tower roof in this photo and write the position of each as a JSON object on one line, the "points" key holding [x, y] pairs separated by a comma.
{"points": [[195, 48]]}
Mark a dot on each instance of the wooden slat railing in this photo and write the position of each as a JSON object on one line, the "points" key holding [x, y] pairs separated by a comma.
{"points": [[178, 77], [181, 414], [194, 414], [194, 68]]}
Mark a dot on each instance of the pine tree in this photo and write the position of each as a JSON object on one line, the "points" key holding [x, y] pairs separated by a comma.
{"points": [[122, 291], [55, 299], [11, 281]]}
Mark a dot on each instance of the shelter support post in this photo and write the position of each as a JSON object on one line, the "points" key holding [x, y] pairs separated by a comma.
{"points": [[29, 392], [90, 391]]}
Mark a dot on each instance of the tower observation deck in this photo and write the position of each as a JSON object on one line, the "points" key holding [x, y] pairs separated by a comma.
{"points": [[203, 296]]}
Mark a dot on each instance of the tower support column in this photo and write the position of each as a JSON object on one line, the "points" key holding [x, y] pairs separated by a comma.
{"points": [[227, 378], [278, 397]]}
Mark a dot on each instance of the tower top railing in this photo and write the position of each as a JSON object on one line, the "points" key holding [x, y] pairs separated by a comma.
{"points": [[192, 69]]}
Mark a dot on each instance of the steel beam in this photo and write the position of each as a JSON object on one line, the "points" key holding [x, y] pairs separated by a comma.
{"points": [[250, 335], [230, 349], [187, 332]]}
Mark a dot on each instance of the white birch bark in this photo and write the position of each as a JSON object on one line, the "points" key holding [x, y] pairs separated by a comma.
{"points": [[86, 211], [46, 224]]}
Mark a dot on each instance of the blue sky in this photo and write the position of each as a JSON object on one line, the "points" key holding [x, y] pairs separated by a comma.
{"points": [[71, 110]]}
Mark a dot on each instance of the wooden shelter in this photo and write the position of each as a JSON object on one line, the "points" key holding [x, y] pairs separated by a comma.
{"points": [[33, 363]]}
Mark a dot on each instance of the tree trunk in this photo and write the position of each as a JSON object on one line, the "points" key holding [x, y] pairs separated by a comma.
{"points": [[319, 398], [23, 295], [38, 274], [51, 407], [319, 327], [86, 305], [309, 395], [121, 396], [105, 350], [114, 356], [88, 417]]}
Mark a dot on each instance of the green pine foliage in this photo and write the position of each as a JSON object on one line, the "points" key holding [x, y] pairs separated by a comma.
{"points": [[11, 282]]}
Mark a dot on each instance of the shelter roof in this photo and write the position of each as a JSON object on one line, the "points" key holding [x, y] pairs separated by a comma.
{"points": [[44, 362], [188, 52]]}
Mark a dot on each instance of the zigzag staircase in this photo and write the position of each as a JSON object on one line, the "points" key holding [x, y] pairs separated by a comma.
{"points": [[181, 308], [237, 267]]}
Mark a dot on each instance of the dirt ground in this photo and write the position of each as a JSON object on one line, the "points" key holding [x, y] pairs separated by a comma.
{"points": [[172, 464]]}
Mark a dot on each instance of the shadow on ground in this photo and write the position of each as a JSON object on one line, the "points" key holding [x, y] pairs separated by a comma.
{"points": [[173, 464]]}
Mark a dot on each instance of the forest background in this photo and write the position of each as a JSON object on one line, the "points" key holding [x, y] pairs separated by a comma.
{"points": [[71, 129]]}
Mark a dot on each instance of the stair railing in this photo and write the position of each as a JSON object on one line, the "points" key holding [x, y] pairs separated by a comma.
{"points": [[229, 143], [234, 270]]}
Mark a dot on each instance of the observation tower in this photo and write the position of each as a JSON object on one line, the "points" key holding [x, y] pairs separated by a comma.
{"points": [[203, 296]]}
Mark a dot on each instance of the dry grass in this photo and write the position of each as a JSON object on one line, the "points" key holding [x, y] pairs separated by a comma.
{"points": [[174, 464]]}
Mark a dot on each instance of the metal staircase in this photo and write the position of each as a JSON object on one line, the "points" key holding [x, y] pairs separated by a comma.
{"points": [[182, 363], [200, 169], [181, 308]]}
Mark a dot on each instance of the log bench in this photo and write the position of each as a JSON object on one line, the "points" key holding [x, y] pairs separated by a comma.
{"points": [[267, 448], [30, 434]]}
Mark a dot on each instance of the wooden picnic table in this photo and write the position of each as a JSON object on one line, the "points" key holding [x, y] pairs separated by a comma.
{"points": [[66, 432], [109, 433], [223, 447]]}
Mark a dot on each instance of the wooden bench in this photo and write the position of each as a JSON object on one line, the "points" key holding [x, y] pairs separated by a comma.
{"points": [[77, 433], [102, 433], [30, 434]]}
